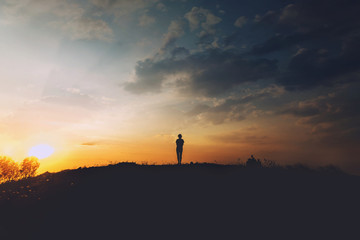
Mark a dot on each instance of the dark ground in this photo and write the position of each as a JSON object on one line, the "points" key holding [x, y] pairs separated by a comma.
{"points": [[200, 201]]}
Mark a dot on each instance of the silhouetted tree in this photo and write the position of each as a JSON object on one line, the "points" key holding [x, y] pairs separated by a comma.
{"points": [[28, 167], [9, 169]]}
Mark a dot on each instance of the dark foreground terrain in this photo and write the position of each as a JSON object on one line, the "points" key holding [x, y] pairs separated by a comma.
{"points": [[199, 201]]}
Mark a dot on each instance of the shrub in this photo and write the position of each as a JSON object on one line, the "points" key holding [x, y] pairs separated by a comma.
{"points": [[9, 169], [28, 167], [269, 163]]}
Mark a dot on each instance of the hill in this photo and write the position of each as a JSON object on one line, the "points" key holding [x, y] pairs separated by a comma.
{"points": [[198, 201]]}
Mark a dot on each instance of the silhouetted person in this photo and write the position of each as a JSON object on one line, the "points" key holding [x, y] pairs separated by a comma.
{"points": [[179, 148], [252, 162]]}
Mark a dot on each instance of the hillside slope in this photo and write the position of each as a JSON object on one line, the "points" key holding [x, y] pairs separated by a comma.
{"points": [[200, 201]]}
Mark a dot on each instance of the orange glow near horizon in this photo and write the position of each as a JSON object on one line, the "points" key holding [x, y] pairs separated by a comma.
{"points": [[211, 144]]}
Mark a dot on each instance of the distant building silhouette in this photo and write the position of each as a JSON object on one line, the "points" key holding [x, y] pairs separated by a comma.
{"points": [[179, 148]]}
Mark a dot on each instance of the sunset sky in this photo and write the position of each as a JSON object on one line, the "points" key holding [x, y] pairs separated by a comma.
{"points": [[103, 81]]}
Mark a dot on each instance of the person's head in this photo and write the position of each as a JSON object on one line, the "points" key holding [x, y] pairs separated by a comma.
{"points": [[180, 136]]}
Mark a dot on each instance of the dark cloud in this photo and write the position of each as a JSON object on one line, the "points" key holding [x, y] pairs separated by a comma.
{"points": [[241, 21], [316, 67], [307, 69], [276, 43], [326, 35], [312, 24], [270, 17], [303, 109], [175, 30], [230, 110], [203, 18], [205, 40], [208, 73], [234, 108], [309, 16], [180, 52], [334, 117], [232, 39], [309, 21]]}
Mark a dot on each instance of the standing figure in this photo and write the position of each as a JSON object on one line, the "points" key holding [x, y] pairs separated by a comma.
{"points": [[179, 148]]}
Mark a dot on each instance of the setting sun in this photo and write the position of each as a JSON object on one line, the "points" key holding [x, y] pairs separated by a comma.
{"points": [[41, 151]]}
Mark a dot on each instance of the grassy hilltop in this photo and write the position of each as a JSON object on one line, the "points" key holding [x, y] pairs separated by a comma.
{"points": [[198, 201]]}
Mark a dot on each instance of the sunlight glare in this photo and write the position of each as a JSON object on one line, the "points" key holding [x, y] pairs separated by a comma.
{"points": [[41, 151]]}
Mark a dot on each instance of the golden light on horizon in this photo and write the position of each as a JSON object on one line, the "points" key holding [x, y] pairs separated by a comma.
{"points": [[41, 151]]}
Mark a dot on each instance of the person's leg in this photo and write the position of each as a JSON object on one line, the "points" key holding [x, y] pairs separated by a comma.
{"points": [[180, 157]]}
